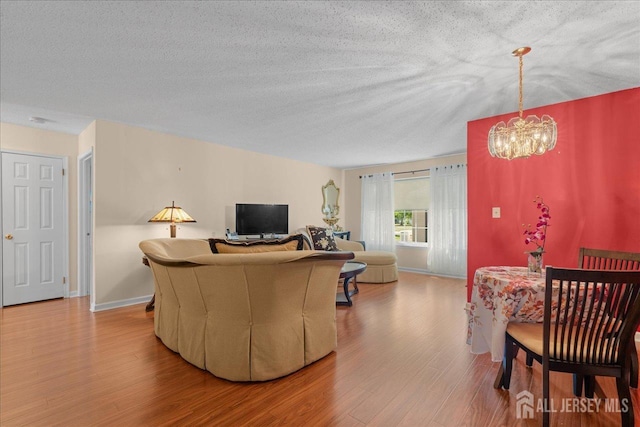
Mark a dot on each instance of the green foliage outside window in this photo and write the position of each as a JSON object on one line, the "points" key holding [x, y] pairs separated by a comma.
{"points": [[411, 225], [403, 218]]}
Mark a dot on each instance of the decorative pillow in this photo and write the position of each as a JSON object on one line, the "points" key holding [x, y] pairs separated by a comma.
{"points": [[322, 238], [222, 246]]}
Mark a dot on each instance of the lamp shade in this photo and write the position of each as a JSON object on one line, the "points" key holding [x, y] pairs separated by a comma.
{"points": [[172, 214]]}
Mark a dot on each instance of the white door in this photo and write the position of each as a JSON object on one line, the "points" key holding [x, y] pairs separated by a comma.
{"points": [[32, 227]]}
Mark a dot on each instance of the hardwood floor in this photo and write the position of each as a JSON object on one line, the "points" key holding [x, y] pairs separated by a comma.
{"points": [[401, 361]]}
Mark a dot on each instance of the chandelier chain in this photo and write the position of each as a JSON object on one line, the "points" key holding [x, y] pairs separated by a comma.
{"points": [[520, 87]]}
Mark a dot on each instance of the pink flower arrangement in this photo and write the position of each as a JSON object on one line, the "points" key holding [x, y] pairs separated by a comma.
{"points": [[538, 235]]}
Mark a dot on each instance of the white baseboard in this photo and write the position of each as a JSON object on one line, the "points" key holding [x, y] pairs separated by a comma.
{"points": [[73, 294], [413, 270], [121, 303], [429, 273]]}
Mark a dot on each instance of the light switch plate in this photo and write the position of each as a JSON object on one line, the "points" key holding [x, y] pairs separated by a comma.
{"points": [[495, 212]]}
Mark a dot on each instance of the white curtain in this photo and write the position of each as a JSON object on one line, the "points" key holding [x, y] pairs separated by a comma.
{"points": [[377, 212], [447, 228]]}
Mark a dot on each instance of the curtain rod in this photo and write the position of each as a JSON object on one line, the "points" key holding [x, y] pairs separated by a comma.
{"points": [[400, 173], [420, 170]]}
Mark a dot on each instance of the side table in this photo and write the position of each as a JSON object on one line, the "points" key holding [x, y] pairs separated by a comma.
{"points": [[349, 271]]}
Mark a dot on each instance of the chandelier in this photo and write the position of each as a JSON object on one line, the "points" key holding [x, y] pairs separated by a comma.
{"points": [[522, 137]]}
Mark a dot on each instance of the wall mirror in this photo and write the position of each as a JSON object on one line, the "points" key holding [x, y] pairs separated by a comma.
{"points": [[330, 196]]}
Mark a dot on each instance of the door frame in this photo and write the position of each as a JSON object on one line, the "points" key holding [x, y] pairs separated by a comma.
{"points": [[85, 225], [65, 217]]}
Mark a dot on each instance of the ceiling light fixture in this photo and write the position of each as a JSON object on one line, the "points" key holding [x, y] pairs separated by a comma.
{"points": [[38, 120], [522, 137]]}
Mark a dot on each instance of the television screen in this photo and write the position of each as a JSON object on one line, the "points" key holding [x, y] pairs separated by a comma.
{"points": [[261, 219]]}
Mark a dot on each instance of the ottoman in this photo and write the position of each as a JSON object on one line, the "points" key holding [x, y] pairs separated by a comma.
{"points": [[382, 267]]}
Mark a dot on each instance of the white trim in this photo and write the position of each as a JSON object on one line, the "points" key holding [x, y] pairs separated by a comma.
{"points": [[121, 303], [1, 236], [413, 270], [73, 294], [84, 226], [417, 245], [65, 216], [428, 273], [65, 224]]}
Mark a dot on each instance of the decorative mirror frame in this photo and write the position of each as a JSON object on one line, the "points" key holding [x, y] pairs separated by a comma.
{"points": [[330, 208]]}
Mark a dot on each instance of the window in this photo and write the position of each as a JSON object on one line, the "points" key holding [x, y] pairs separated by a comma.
{"points": [[411, 225], [411, 210]]}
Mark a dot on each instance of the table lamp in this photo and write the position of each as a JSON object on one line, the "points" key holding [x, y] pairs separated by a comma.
{"points": [[172, 214]]}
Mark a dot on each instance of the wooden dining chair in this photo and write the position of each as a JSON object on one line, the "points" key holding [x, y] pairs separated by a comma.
{"points": [[590, 320], [602, 259]]}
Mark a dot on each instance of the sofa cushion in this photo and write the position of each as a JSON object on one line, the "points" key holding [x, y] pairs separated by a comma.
{"points": [[322, 238], [222, 246]]}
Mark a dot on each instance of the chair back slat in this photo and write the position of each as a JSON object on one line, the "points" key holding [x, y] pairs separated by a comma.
{"points": [[602, 259], [590, 315]]}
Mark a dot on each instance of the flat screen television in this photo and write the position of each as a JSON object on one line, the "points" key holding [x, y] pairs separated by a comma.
{"points": [[261, 219]]}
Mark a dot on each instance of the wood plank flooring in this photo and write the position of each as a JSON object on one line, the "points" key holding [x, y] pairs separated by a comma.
{"points": [[401, 361]]}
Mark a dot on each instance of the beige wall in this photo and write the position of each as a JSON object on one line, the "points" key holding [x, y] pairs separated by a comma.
{"points": [[87, 139], [138, 172], [412, 258], [39, 141]]}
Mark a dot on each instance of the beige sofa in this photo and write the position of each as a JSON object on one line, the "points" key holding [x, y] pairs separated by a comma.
{"points": [[244, 317], [382, 266]]}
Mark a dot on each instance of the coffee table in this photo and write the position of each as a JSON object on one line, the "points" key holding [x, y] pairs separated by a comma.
{"points": [[349, 271]]}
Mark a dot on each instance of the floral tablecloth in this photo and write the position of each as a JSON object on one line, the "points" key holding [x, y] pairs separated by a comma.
{"points": [[500, 295]]}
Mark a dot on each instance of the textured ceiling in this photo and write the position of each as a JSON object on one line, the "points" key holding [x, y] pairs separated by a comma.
{"points": [[342, 84]]}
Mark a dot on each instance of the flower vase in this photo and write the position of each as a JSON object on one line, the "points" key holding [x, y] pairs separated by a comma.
{"points": [[534, 262]]}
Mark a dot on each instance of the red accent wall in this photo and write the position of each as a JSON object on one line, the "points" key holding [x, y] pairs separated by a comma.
{"points": [[590, 181]]}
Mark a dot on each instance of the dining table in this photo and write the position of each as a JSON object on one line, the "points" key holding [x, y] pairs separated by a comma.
{"points": [[502, 294]]}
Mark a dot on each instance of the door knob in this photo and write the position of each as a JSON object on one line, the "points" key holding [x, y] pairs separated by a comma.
{"points": [[8, 236]]}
